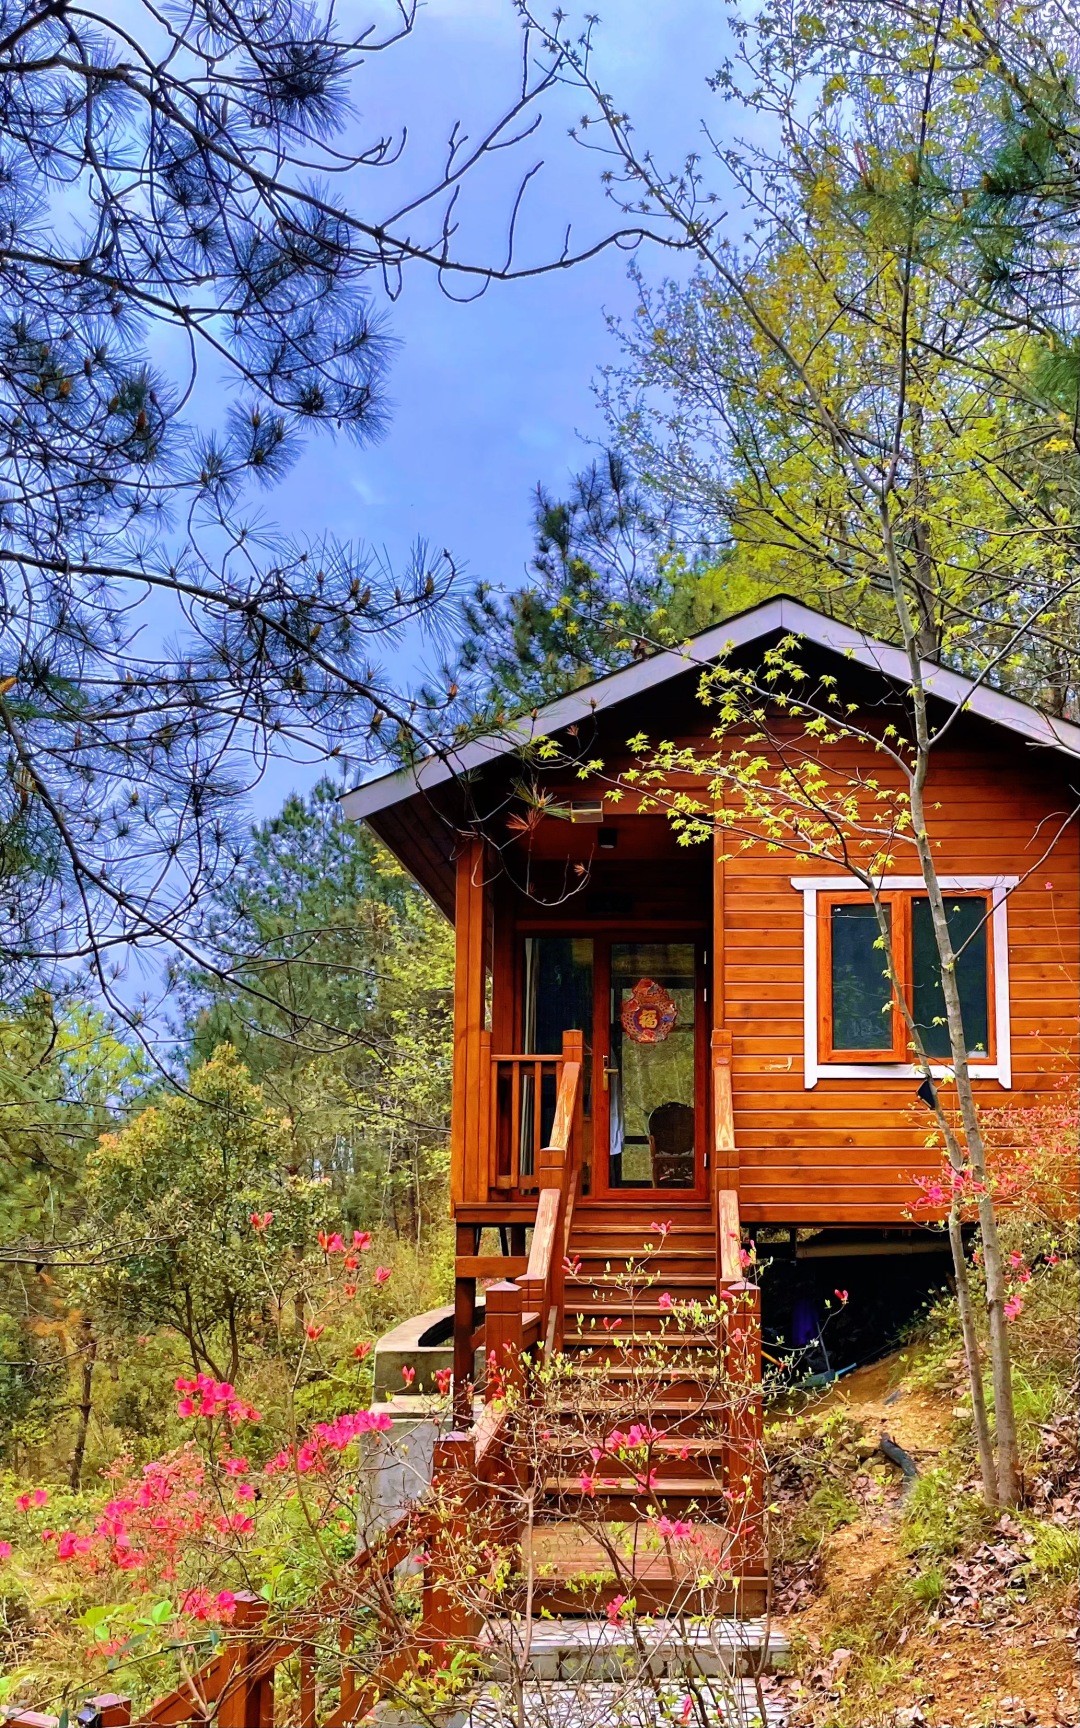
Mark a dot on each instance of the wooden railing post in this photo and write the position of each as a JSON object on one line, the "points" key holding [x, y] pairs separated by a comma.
{"points": [[464, 1327], [725, 1157], [744, 1475], [247, 1700], [503, 1339], [109, 1711], [448, 1616]]}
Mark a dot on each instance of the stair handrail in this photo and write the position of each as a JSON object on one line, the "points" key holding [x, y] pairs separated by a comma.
{"points": [[542, 1285], [725, 1162]]}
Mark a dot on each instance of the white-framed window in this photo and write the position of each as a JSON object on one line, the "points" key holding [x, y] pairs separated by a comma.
{"points": [[852, 1024]]}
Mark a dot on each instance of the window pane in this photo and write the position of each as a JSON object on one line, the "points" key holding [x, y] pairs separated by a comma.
{"points": [[652, 1070], [967, 927], [558, 999], [861, 993]]}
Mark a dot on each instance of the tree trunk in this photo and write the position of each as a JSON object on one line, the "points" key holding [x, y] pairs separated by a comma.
{"points": [[973, 1358], [1008, 1473], [88, 1349], [1008, 1465]]}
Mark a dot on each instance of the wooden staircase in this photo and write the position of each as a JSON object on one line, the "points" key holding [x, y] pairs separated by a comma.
{"points": [[614, 1458]]}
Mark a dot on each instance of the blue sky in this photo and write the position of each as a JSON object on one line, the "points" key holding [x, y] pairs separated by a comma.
{"points": [[491, 397]]}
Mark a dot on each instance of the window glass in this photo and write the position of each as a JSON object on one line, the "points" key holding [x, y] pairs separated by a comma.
{"points": [[861, 994], [558, 998], [967, 919], [652, 1066]]}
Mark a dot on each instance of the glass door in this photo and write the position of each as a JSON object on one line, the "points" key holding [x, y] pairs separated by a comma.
{"points": [[649, 1118]]}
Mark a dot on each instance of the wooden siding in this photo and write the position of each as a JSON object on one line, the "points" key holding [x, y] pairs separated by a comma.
{"points": [[846, 1150]]}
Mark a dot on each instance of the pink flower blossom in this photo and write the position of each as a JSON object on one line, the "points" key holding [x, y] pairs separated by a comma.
{"points": [[200, 1605], [672, 1529], [314, 1331], [443, 1377], [662, 1229], [327, 1437], [245, 1491], [615, 1608], [205, 1396], [70, 1544], [261, 1220], [587, 1483], [381, 1274], [361, 1240], [664, 1299], [236, 1466], [5, 1550], [408, 1375], [361, 1351], [1013, 1307], [841, 1295]]}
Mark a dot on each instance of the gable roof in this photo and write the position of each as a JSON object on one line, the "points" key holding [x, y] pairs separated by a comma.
{"points": [[778, 616]]}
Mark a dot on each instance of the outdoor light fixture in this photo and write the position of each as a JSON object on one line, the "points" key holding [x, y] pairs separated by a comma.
{"points": [[587, 810]]}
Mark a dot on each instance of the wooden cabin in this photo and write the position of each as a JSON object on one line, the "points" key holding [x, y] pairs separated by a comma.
{"points": [[696, 1034]]}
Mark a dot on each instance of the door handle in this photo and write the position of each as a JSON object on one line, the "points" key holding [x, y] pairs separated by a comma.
{"points": [[606, 1072]]}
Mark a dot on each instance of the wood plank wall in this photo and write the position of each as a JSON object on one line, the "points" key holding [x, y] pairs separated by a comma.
{"points": [[845, 1151]]}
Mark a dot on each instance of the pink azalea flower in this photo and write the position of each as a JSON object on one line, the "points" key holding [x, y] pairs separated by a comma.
{"points": [[5, 1550], [443, 1377], [664, 1299], [408, 1375], [361, 1240], [841, 1295], [615, 1608], [381, 1274], [314, 1331], [673, 1529], [245, 1491], [587, 1483], [1013, 1307], [361, 1351], [261, 1220]]}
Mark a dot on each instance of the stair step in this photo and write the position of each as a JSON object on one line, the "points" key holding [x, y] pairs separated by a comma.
{"points": [[572, 1649], [607, 1704], [659, 1281], [668, 1409], [673, 1446], [608, 1483]]}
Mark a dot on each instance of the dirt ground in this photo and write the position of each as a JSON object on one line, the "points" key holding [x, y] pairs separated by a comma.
{"points": [[989, 1658]]}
